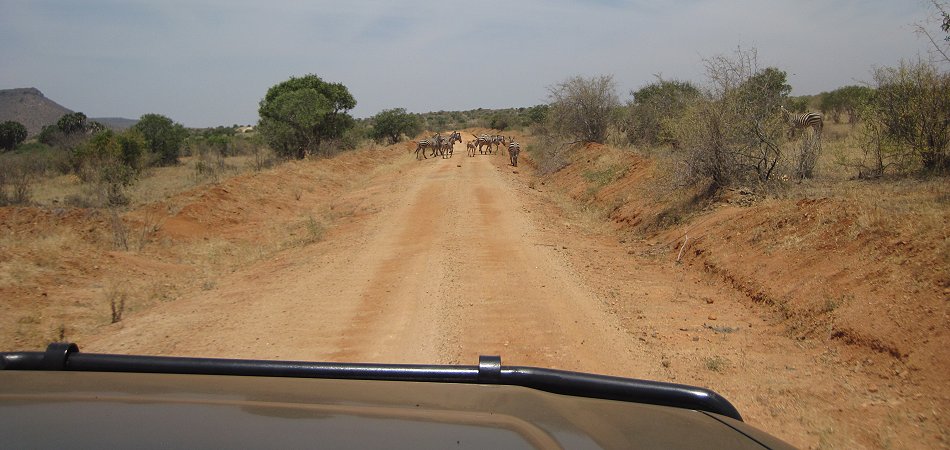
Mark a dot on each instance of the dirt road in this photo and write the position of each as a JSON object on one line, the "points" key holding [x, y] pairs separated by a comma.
{"points": [[449, 267], [440, 261]]}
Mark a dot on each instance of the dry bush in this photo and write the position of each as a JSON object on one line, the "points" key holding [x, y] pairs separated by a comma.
{"points": [[584, 108], [117, 299], [551, 152], [908, 118], [16, 181]]}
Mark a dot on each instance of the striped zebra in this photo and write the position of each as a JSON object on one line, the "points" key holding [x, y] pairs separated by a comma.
{"points": [[431, 143], [498, 141], [514, 149], [470, 145], [447, 147], [802, 121], [483, 141]]}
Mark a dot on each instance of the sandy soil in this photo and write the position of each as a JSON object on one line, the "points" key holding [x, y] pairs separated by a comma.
{"points": [[439, 261]]}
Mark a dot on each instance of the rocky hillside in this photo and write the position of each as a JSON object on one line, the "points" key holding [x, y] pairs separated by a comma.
{"points": [[30, 107]]}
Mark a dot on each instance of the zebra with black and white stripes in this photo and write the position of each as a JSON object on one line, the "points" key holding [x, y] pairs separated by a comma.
{"points": [[514, 149], [483, 141], [432, 143], [802, 121], [447, 148]]}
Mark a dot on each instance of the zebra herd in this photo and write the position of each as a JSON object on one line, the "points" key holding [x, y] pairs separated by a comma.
{"points": [[484, 144], [438, 145]]}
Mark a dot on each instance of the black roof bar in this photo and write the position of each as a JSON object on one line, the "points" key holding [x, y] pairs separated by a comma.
{"points": [[66, 356]]}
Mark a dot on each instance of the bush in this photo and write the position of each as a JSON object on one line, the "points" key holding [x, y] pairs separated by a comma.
{"points": [[908, 116], [16, 180], [653, 108], [732, 134], [582, 108], [12, 134], [163, 137], [110, 162], [391, 124]]}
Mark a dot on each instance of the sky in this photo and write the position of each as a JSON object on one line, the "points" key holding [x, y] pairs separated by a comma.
{"points": [[209, 62]]}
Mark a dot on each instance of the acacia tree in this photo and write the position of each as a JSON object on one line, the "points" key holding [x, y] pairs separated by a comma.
{"points": [[583, 108], [163, 136], [12, 134], [392, 123], [297, 115]]}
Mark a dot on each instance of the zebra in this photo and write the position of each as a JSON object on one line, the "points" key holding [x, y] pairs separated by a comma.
{"points": [[514, 149], [802, 121], [448, 145], [483, 141], [432, 143], [498, 141], [470, 145]]}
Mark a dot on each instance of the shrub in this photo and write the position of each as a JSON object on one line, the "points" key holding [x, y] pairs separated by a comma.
{"points": [[907, 116], [12, 134], [732, 134], [582, 108], [653, 108]]}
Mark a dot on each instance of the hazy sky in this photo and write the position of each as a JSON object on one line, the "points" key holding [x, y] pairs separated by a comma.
{"points": [[209, 62]]}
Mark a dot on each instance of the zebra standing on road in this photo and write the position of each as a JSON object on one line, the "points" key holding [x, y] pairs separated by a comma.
{"points": [[447, 148], [483, 141], [498, 141], [802, 121], [432, 143], [514, 149], [470, 145]]}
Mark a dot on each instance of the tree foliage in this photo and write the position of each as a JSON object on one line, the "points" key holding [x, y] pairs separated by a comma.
{"points": [[12, 134], [163, 137], [72, 123], [390, 124], [111, 162], [297, 115], [653, 106], [583, 107], [848, 100], [909, 109], [733, 133]]}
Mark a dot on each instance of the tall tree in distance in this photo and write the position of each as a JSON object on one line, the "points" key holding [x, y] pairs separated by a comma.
{"points": [[297, 115]]}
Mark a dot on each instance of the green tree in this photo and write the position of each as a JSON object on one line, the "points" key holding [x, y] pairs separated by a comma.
{"points": [[72, 123], [163, 137], [12, 134], [538, 114], [845, 100], [653, 106], [392, 123], [297, 115]]}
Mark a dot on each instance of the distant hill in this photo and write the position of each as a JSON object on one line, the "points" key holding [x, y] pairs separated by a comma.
{"points": [[31, 108], [115, 123]]}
